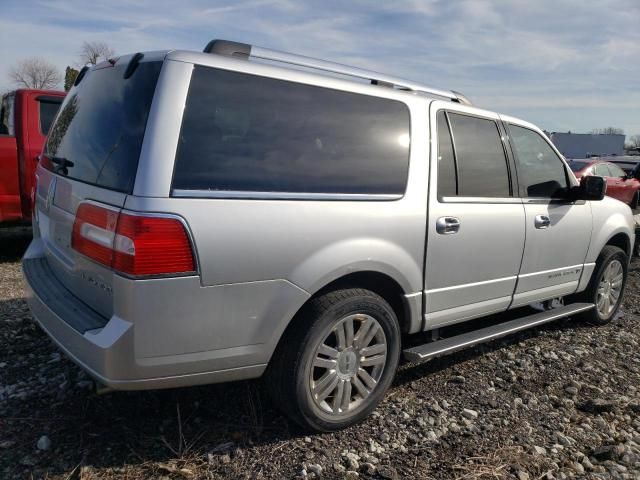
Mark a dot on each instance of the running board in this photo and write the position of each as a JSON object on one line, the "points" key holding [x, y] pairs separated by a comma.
{"points": [[428, 351]]}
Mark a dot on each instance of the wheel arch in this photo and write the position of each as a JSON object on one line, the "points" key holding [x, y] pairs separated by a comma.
{"points": [[622, 241], [408, 308]]}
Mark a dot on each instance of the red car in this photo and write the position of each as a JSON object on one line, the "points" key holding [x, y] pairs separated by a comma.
{"points": [[25, 118], [619, 185]]}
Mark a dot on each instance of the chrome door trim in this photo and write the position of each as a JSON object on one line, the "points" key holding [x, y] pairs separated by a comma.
{"points": [[468, 285], [282, 195], [513, 200], [542, 272]]}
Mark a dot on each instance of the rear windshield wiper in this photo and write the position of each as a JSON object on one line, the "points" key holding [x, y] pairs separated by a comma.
{"points": [[61, 164]]}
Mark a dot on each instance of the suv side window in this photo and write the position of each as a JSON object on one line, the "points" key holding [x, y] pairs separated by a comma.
{"points": [[446, 163], [246, 133], [541, 173], [480, 158]]}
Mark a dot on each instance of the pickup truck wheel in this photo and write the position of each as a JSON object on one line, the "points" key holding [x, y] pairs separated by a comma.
{"points": [[606, 287], [337, 360]]}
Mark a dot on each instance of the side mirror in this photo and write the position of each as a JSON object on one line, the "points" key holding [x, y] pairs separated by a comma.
{"points": [[591, 188]]}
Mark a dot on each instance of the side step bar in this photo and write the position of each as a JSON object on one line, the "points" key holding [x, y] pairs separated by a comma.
{"points": [[428, 351]]}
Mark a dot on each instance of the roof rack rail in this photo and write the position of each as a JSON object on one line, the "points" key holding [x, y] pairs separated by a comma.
{"points": [[246, 51]]}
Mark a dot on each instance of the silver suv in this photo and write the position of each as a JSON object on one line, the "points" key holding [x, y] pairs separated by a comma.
{"points": [[217, 216]]}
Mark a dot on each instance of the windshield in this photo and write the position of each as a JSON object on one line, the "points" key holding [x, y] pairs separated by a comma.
{"points": [[97, 135]]}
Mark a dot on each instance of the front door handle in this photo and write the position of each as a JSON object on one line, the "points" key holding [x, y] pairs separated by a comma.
{"points": [[447, 225], [542, 221]]}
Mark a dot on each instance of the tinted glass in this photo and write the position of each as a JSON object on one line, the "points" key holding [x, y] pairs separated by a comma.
{"points": [[101, 124], [6, 114], [446, 163], [541, 173], [601, 170], [247, 133], [576, 166], [482, 165], [615, 170], [48, 112]]}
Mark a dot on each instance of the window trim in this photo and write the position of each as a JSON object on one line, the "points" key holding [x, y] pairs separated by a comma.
{"points": [[521, 193], [249, 195], [437, 146], [512, 179]]}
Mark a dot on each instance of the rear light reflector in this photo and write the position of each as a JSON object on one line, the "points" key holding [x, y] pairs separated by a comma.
{"points": [[133, 244], [93, 232]]}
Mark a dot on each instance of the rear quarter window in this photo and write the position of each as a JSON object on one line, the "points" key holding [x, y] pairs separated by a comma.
{"points": [[47, 110], [6, 114], [247, 133]]}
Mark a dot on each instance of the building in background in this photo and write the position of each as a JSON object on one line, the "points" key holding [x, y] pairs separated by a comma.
{"points": [[584, 145]]}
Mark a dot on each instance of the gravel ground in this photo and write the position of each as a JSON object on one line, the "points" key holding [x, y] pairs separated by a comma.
{"points": [[561, 401]]}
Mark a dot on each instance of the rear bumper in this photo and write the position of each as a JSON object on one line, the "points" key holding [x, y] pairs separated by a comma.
{"points": [[109, 350]]}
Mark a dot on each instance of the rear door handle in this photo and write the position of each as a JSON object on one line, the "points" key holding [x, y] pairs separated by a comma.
{"points": [[447, 225], [542, 221]]}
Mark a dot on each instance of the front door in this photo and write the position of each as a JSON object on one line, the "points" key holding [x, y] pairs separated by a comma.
{"points": [[476, 224], [558, 231]]}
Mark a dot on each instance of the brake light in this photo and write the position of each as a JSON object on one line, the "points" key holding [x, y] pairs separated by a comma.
{"points": [[151, 246], [133, 244]]}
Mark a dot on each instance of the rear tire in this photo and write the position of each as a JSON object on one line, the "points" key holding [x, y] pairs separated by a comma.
{"points": [[606, 287], [336, 361]]}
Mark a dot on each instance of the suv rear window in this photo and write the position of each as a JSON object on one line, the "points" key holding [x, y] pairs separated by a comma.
{"points": [[247, 133], [101, 124]]}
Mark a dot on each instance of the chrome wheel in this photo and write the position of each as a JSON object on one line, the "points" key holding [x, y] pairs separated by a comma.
{"points": [[609, 288], [348, 364]]}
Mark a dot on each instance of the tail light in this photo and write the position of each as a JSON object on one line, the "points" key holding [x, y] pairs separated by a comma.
{"points": [[133, 244]]}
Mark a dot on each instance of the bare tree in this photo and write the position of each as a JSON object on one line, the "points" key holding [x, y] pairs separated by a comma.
{"points": [[634, 141], [608, 131], [35, 73], [93, 53]]}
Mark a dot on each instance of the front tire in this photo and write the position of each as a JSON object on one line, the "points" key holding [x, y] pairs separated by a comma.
{"points": [[606, 287], [337, 360]]}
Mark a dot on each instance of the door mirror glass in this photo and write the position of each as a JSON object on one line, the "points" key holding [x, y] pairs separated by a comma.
{"points": [[591, 187]]}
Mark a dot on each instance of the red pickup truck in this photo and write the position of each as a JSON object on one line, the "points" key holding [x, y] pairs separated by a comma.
{"points": [[25, 118]]}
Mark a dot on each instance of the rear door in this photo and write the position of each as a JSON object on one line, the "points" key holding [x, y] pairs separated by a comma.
{"points": [[92, 154], [558, 231], [476, 224]]}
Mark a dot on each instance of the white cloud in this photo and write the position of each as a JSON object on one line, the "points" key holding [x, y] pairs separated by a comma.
{"points": [[547, 57]]}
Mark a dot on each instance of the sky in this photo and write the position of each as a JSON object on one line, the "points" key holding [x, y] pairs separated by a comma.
{"points": [[565, 65]]}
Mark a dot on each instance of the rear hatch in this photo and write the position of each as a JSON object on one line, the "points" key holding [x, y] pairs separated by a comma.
{"points": [[91, 154]]}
